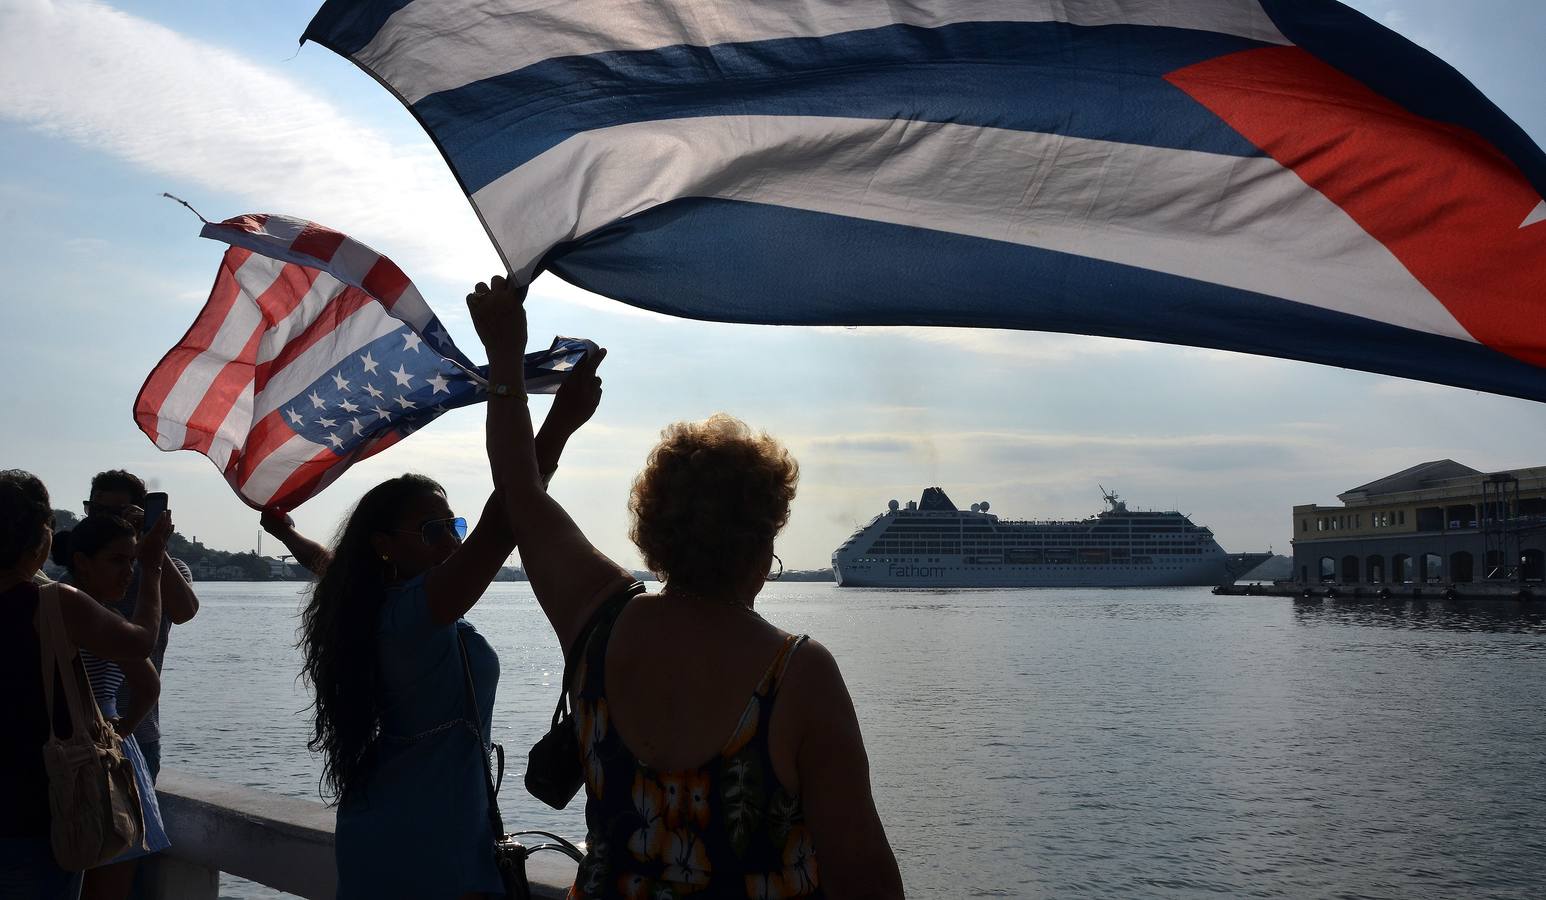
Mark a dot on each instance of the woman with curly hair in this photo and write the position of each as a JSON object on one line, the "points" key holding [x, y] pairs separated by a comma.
{"points": [[383, 641], [722, 755]]}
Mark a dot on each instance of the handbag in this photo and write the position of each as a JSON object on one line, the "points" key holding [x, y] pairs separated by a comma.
{"points": [[93, 802], [553, 770], [509, 853]]}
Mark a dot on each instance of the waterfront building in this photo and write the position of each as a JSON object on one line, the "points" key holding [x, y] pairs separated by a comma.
{"points": [[1436, 523]]}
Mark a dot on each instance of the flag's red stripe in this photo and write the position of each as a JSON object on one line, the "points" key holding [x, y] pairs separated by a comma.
{"points": [[316, 473], [385, 281], [198, 339], [281, 298], [341, 307], [268, 435], [304, 480], [252, 222], [317, 241], [376, 444], [223, 392], [1447, 203], [276, 301]]}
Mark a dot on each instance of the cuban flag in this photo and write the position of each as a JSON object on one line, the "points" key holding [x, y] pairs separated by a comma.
{"points": [[1281, 177], [313, 352]]}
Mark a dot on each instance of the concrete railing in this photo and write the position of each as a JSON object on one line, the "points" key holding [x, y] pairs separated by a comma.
{"points": [[281, 842]]}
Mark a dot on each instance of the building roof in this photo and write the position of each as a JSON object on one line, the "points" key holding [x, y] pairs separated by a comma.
{"points": [[1415, 478]]}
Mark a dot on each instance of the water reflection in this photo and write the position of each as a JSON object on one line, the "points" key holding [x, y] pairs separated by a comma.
{"points": [[1496, 616]]}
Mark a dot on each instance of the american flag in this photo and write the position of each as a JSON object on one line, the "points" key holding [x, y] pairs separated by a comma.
{"points": [[312, 352]]}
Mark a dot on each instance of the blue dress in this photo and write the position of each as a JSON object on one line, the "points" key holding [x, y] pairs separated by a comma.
{"points": [[419, 827], [106, 679]]}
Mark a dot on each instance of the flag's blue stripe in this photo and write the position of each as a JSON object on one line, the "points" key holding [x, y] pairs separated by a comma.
{"points": [[1405, 73], [347, 26], [1091, 82], [731, 261]]}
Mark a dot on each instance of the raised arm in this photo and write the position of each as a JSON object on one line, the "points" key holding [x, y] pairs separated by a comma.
{"points": [[309, 555], [573, 405], [102, 632], [569, 576], [454, 586], [177, 597]]}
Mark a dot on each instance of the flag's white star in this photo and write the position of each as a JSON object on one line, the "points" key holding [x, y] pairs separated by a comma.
{"points": [[348, 407], [316, 401], [383, 414], [412, 341], [355, 424], [563, 365], [402, 376], [372, 390], [369, 364], [1536, 215], [439, 336], [338, 379], [295, 418], [327, 423], [336, 441], [404, 402], [440, 382], [440, 408]]}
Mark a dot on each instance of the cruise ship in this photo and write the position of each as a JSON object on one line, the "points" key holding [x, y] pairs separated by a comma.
{"points": [[930, 543]]}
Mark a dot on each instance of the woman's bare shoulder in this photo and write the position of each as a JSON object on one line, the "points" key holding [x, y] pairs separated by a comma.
{"points": [[813, 674]]}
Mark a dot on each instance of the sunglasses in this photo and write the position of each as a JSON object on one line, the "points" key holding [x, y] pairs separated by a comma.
{"points": [[436, 530], [103, 509]]}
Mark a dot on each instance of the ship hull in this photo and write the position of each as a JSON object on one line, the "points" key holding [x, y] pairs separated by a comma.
{"points": [[956, 574]]}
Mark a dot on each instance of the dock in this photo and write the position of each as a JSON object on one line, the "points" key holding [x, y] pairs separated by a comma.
{"points": [[280, 842], [1498, 591]]}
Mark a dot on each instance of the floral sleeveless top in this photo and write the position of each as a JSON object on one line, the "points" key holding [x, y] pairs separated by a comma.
{"points": [[727, 829]]}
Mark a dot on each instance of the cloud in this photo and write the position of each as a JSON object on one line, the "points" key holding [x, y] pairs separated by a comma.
{"points": [[104, 79]]}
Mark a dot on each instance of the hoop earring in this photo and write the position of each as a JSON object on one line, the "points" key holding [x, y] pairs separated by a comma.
{"points": [[391, 569], [774, 576]]}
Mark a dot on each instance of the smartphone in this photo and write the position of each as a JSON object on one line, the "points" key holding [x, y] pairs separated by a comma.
{"points": [[155, 508]]}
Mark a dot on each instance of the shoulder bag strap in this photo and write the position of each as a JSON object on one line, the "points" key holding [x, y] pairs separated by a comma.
{"points": [[60, 656], [495, 820], [574, 651]]}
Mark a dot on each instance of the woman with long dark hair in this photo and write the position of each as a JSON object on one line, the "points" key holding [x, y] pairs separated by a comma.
{"points": [[100, 555], [383, 638]]}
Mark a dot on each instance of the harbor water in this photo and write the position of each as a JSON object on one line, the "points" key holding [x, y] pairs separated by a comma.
{"points": [[1057, 742]]}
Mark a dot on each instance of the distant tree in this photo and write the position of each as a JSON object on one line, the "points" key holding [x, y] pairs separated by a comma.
{"points": [[253, 566], [63, 519]]}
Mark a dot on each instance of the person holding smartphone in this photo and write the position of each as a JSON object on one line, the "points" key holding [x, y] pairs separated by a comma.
{"points": [[100, 553], [27, 864], [123, 494]]}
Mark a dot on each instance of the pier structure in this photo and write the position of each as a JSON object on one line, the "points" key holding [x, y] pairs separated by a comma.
{"points": [[282, 842], [1436, 529]]}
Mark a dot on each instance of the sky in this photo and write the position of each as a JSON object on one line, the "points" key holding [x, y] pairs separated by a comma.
{"points": [[105, 106]]}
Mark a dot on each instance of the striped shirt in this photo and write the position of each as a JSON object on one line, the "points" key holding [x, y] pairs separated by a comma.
{"points": [[149, 730]]}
